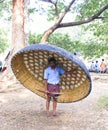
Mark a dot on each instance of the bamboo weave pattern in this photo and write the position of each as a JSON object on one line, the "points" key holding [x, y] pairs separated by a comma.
{"points": [[29, 64]]}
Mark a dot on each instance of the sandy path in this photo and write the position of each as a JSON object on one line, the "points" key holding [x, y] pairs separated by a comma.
{"points": [[21, 109]]}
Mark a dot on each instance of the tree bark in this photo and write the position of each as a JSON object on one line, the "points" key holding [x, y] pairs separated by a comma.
{"points": [[26, 21], [18, 35]]}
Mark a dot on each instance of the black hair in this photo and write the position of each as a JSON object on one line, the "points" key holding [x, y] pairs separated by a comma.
{"points": [[51, 59]]}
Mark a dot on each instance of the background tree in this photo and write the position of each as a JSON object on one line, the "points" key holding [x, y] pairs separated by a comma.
{"points": [[4, 41], [60, 40], [19, 40], [98, 28], [60, 13], [5, 9], [5, 16], [18, 35], [86, 11], [16, 11]]}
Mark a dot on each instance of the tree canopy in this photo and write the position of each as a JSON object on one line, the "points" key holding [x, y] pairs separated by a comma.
{"points": [[91, 15]]}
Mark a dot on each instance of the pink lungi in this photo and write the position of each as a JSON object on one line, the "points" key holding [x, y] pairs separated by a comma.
{"points": [[53, 88]]}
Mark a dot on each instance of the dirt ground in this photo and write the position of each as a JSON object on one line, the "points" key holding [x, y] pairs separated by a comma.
{"points": [[20, 109]]}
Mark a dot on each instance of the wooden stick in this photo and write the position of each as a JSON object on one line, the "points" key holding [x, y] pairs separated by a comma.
{"points": [[49, 92]]}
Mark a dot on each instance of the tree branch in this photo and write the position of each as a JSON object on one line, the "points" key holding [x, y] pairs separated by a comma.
{"points": [[95, 16], [101, 17], [56, 25], [65, 12], [56, 11]]}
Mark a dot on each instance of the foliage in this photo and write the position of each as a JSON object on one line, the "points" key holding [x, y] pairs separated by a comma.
{"points": [[101, 32], [6, 9], [96, 45], [93, 50], [33, 38], [64, 41], [89, 49], [60, 40], [51, 10], [99, 28], [3, 40], [89, 7]]}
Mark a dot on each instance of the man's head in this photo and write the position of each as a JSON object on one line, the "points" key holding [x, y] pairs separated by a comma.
{"points": [[52, 62]]}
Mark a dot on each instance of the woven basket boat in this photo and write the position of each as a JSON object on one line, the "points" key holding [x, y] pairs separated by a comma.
{"points": [[29, 63]]}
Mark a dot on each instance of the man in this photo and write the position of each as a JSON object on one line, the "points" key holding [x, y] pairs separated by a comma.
{"points": [[52, 81], [92, 67], [102, 66], [97, 67]]}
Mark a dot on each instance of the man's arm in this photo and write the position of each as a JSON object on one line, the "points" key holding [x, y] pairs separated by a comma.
{"points": [[70, 71], [46, 84], [45, 79]]}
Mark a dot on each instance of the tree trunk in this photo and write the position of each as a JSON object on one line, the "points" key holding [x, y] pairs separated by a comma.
{"points": [[26, 21], [18, 35], [46, 35], [19, 40]]}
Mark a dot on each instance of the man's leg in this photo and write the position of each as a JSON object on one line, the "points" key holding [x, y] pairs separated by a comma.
{"points": [[48, 104], [54, 106]]}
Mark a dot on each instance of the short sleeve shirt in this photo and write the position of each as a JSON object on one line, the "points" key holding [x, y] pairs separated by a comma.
{"points": [[53, 75]]}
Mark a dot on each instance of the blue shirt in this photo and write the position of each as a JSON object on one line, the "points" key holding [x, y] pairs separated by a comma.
{"points": [[53, 75]]}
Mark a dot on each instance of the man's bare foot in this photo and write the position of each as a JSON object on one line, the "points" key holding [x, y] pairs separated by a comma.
{"points": [[48, 114], [54, 114]]}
